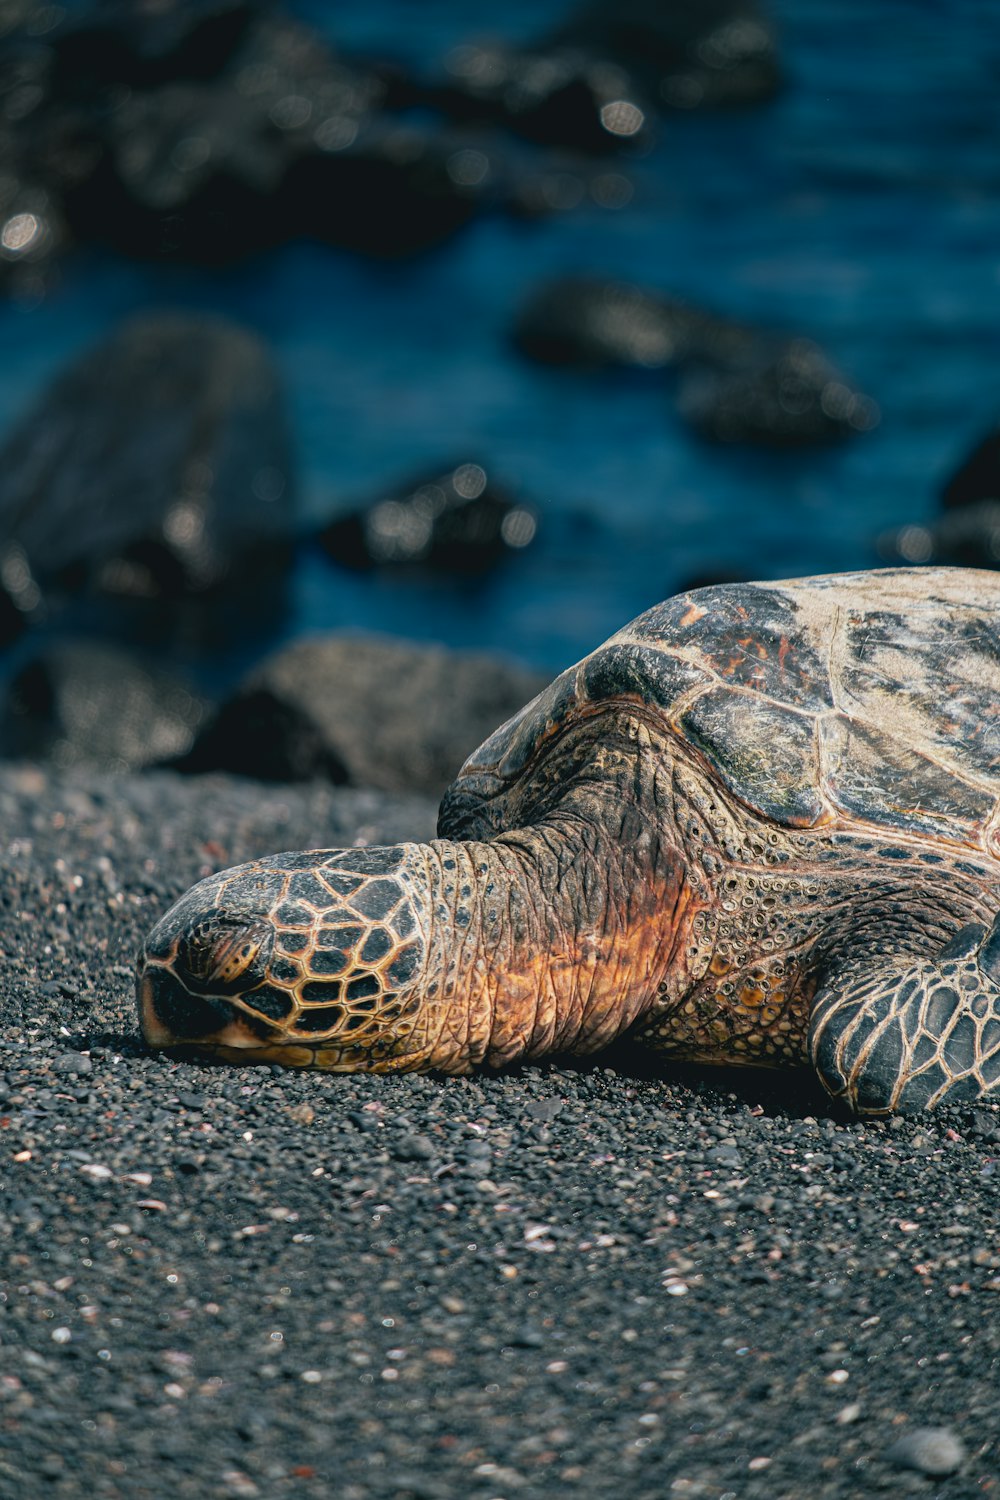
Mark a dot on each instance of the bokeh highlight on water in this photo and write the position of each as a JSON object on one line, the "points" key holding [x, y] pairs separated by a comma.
{"points": [[861, 209]]}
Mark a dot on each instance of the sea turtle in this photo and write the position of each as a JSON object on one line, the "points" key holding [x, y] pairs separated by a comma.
{"points": [[759, 825]]}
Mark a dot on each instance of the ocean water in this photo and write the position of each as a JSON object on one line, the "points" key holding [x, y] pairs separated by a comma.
{"points": [[861, 208]]}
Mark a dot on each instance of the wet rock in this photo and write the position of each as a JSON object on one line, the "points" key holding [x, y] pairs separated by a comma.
{"points": [[978, 476], [740, 384], [585, 321], [386, 713], [968, 537], [156, 466], [556, 97], [929, 1450], [686, 53], [186, 171], [794, 399], [92, 705], [268, 736], [560, 186], [33, 237], [119, 42], [459, 521], [968, 533], [33, 231], [389, 190]]}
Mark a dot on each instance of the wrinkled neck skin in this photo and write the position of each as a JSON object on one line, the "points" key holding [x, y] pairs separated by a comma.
{"points": [[557, 936]]}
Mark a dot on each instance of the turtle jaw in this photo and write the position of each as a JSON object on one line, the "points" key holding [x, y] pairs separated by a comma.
{"points": [[170, 1015]]}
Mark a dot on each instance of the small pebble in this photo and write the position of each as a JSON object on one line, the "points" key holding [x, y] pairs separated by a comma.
{"points": [[929, 1450]]}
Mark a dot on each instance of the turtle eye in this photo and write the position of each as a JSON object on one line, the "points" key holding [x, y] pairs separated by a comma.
{"points": [[226, 955]]}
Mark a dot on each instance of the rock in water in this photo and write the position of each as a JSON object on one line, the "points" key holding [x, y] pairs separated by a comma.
{"points": [[793, 399], [458, 522], [968, 537], [120, 42], [157, 466], [687, 53], [186, 171], [558, 97], [740, 384], [378, 712], [585, 321], [978, 476], [93, 705]]}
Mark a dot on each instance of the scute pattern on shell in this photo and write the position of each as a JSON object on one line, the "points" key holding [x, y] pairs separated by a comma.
{"points": [[854, 698]]}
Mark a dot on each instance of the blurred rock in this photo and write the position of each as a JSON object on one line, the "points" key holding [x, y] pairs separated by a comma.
{"points": [[929, 1450], [740, 384], [33, 231], [685, 53], [966, 538], [559, 187], [21, 602], [187, 171], [458, 521], [795, 399], [33, 236], [263, 732], [143, 45], [156, 466], [588, 322], [93, 705], [557, 97], [378, 712], [286, 141], [389, 190], [978, 476]]}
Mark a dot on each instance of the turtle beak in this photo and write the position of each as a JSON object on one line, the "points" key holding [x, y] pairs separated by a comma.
{"points": [[170, 1016]]}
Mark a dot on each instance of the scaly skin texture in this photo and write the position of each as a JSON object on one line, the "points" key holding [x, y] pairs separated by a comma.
{"points": [[553, 937], [747, 829], [640, 898]]}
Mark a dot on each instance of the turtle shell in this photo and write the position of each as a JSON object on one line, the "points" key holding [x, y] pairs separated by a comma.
{"points": [[852, 698]]}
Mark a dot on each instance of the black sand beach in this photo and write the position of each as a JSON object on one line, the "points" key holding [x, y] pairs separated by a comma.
{"points": [[580, 1279]]}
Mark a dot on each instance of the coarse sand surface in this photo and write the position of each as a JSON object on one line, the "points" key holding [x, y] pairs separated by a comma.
{"points": [[584, 1278]]}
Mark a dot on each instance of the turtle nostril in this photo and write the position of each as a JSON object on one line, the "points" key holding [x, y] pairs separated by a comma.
{"points": [[169, 1014]]}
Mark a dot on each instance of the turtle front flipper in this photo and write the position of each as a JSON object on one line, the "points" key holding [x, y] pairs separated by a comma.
{"points": [[902, 1034]]}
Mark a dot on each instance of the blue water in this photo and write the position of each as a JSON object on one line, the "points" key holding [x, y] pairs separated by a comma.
{"points": [[862, 208]]}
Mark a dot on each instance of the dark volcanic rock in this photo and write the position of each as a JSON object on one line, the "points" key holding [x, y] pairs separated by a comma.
{"points": [[33, 231], [381, 713], [187, 171], [794, 399], [589, 322], [967, 538], [978, 476], [740, 384], [119, 42], [594, 83], [687, 53], [458, 521], [388, 190], [156, 466], [968, 533], [557, 97], [86, 704]]}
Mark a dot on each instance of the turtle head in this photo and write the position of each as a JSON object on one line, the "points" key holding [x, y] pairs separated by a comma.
{"points": [[307, 960]]}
